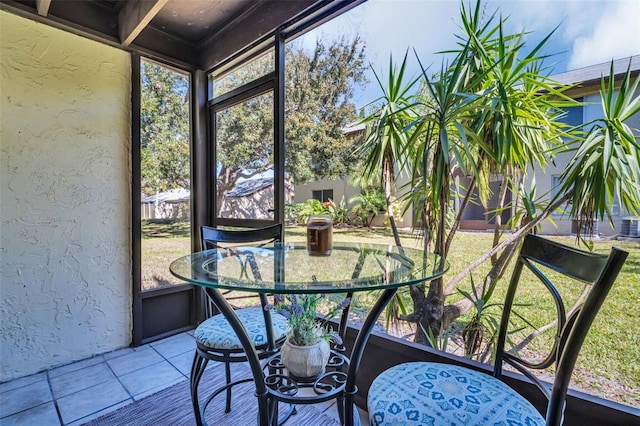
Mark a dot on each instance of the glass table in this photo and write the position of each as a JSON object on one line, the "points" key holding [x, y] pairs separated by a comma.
{"points": [[287, 268]]}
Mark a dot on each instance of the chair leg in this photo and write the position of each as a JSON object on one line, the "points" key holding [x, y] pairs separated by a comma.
{"points": [[227, 371], [340, 405], [197, 368]]}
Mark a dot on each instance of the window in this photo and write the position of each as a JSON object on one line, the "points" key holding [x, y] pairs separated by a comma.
{"points": [[322, 195], [574, 116], [244, 153], [165, 171], [246, 73], [246, 171]]}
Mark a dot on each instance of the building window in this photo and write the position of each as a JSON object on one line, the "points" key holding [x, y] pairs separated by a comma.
{"points": [[322, 195], [573, 116]]}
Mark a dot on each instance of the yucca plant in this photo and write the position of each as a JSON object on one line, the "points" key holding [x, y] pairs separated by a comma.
{"points": [[606, 164], [493, 111], [386, 141], [481, 332]]}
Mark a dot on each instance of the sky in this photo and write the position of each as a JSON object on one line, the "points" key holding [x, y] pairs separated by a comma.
{"points": [[590, 31]]}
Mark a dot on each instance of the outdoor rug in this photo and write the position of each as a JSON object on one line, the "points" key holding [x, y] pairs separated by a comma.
{"points": [[172, 407]]}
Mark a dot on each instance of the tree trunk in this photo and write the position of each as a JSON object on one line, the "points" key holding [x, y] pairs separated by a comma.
{"points": [[497, 226], [430, 312], [387, 181], [432, 320]]}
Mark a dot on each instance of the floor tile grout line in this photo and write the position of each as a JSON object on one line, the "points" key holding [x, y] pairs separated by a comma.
{"points": [[167, 359], [53, 397], [104, 361], [169, 362], [119, 381], [131, 399]]}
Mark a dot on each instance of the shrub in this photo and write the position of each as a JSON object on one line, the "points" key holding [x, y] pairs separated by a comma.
{"points": [[339, 212], [367, 205]]}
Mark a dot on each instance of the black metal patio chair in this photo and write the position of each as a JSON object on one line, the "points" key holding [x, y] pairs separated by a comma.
{"points": [[215, 339], [438, 394]]}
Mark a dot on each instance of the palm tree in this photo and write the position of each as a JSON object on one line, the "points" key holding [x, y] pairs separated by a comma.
{"points": [[386, 140], [492, 112], [605, 164]]}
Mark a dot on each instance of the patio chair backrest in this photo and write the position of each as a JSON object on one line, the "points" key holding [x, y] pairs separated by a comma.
{"points": [[219, 238], [215, 237], [556, 267]]}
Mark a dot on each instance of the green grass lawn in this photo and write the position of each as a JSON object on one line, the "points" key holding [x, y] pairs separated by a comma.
{"points": [[609, 365]]}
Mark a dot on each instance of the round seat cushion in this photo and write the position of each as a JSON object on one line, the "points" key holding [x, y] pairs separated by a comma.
{"points": [[426, 393], [216, 332]]}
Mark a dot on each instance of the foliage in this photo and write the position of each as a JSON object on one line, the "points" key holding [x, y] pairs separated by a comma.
{"points": [[396, 207], [302, 313], [386, 140], [367, 205], [292, 212], [481, 332], [319, 89], [492, 111], [530, 205], [300, 212], [164, 129], [439, 341], [244, 142], [339, 212], [311, 206], [606, 164]]}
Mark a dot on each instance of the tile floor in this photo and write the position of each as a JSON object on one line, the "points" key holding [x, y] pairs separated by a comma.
{"points": [[76, 393]]}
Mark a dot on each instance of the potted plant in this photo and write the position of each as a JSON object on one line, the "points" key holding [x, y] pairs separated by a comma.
{"points": [[305, 352]]}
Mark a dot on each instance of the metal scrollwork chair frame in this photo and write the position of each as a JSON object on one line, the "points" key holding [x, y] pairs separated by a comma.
{"points": [[213, 238], [425, 391]]}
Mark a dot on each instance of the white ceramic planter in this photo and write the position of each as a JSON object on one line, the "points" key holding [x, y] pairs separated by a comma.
{"points": [[305, 361]]}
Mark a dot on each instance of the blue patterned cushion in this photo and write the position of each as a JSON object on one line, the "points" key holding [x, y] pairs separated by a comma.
{"points": [[216, 332], [428, 393]]}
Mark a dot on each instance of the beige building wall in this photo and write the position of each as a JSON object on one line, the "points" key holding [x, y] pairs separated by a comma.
{"points": [[65, 208], [342, 188]]}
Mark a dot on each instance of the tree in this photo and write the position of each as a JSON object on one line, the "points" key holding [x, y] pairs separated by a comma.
{"points": [[494, 112], [386, 141], [318, 106], [164, 129]]}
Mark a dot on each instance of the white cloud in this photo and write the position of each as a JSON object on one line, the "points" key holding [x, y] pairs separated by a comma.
{"points": [[590, 31], [615, 35]]}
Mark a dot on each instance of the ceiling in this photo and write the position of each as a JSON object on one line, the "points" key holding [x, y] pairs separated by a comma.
{"points": [[197, 33]]}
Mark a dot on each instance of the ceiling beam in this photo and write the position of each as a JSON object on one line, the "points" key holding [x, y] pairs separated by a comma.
{"points": [[43, 7], [134, 16]]}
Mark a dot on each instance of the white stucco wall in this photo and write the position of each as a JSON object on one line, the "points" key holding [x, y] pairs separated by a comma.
{"points": [[64, 197]]}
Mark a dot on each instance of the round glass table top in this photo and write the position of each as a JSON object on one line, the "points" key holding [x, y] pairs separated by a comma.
{"points": [[289, 268]]}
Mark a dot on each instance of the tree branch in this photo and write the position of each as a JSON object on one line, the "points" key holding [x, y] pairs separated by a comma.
{"points": [[517, 235], [463, 206]]}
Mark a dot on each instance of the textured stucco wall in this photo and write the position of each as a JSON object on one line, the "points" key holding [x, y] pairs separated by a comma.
{"points": [[65, 266]]}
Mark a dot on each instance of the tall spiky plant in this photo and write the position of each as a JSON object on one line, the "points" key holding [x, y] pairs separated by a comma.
{"points": [[386, 140]]}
